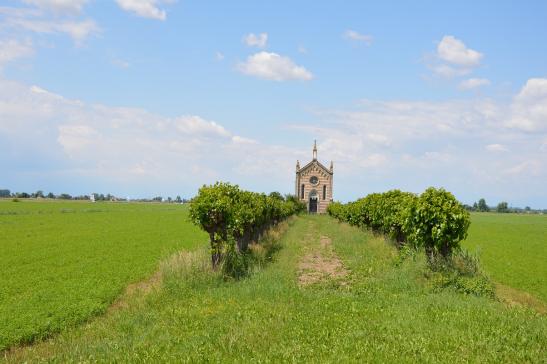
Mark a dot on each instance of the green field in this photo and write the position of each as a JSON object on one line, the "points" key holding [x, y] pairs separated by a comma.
{"points": [[379, 311], [63, 262], [512, 249]]}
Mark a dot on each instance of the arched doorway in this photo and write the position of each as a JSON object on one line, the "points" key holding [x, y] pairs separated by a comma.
{"points": [[312, 206]]}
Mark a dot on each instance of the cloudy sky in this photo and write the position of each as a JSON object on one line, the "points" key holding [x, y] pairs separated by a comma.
{"points": [[156, 97]]}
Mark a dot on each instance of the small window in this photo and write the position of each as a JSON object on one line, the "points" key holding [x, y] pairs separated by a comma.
{"points": [[302, 191], [324, 192]]}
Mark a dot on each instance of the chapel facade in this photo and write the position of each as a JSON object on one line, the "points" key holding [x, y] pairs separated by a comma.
{"points": [[313, 184]]}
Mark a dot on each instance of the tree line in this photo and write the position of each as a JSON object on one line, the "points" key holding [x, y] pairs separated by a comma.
{"points": [[5, 193], [502, 207]]}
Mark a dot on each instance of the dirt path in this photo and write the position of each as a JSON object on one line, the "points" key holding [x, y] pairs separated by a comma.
{"points": [[320, 263]]}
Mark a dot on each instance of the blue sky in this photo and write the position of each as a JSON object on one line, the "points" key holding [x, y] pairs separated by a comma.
{"points": [[144, 97]]}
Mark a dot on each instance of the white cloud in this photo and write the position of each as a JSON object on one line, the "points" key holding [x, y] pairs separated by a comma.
{"points": [[196, 125], [219, 56], [529, 107], [496, 148], [143, 8], [74, 138], [77, 30], [375, 146], [272, 66], [446, 71], [59, 6], [13, 49], [453, 50], [241, 140], [415, 144], [353, 35], [453, 59], [114, 145], [472, 83], [530, 167], [253, 40]]}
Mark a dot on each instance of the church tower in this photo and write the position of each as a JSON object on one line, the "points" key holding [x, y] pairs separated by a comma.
{"points": [[313, 184]]}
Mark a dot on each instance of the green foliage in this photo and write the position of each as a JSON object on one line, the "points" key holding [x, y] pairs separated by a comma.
{"points": [[438, 222], [234, 218], [435, 220], [460, 271], [502, 207], [234, 264], [276, 195], [62, 262], [482, 206]]}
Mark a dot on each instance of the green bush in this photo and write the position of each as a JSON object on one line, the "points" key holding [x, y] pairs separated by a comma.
{"points": [[435, 220], [438, 222], [234, 218]]}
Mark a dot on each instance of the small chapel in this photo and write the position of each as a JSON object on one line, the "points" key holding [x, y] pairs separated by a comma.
{"points": [[313, 184]]}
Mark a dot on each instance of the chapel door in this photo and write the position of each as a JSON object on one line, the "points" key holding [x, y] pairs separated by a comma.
{"points": [[313, 205]]}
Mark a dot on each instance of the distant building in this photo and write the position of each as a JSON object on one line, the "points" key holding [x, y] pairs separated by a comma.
{"points": [[313, 184]]}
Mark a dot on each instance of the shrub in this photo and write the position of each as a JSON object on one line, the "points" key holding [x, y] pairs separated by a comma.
{"points": [[234, 218], [437, 221]]}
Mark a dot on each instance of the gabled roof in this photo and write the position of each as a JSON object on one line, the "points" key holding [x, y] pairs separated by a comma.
{"points": [[316, 162]]}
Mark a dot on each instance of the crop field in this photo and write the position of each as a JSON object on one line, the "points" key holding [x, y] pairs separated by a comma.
{"points": [[512, 249], [64, 262], [376, 308]]}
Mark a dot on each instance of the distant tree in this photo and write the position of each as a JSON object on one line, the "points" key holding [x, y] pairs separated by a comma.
{"points": [[502, 207], [468, 208], [50, 195], [475, 207], [527, 209], [65, 196], [39, 194], [157, 199], [22, 195], [5, 193], [483, 207], [178, 199], [169, 199]]}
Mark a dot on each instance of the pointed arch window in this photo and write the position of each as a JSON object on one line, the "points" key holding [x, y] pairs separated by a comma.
{"points": [[302, 191], [324, 192]]}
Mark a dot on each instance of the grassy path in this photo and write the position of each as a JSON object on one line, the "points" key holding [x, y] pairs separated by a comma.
{"points": [[366, 308]]}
